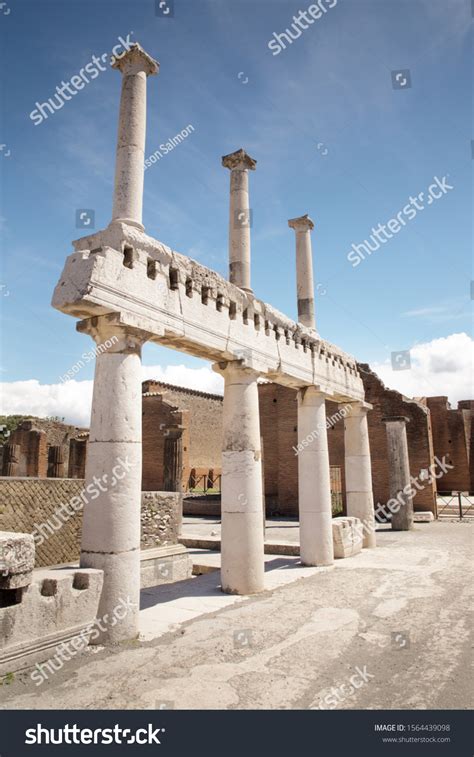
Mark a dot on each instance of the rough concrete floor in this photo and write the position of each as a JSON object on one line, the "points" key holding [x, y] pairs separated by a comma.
{"points": [[398, 613]]}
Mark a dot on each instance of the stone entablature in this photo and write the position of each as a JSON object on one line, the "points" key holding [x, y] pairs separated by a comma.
{"points": [[185, 305]]}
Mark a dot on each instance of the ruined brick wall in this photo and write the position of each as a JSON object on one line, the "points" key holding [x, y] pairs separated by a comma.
{"points": [[388, 402], [26, 503], [451, 437], [202, 438], [35, 437]]}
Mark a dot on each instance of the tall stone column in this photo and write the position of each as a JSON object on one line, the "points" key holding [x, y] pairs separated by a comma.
{"points": [[399, 472], [358, 470], [135, 65], [173, 461], [314, 482], [239, 164], [111, 520], [304, 270], [242, 557]]}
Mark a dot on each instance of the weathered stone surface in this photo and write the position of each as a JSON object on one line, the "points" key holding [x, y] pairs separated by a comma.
{"points": [[161, 518], [279, 348], [52, 610], [17, 559], [347, 536], [401, 497], [165, 565]]}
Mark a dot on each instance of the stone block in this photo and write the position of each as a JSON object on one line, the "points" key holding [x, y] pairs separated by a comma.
{"points": [[17, 559], [423, 516], [347, 536], [58, 606], [164, 565]]}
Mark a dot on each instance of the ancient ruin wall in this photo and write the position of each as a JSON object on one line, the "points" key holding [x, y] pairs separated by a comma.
{"points": [[388, 402], [26, 503]]}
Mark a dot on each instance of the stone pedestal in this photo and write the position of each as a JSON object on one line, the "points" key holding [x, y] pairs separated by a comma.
{"points": [[314, 484], [240, 220], [242, 565], [401, 502], [304, 270], [135, 65], [111, 521], [358, 470]]}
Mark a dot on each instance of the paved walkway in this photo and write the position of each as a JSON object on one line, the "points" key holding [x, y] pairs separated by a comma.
{"points": [[387, 628]]}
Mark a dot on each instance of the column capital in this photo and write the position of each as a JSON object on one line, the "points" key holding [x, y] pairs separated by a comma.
{"points": [[135, 60], [396, 419], [239, 160], [115, 335], [241, 368], [302, 223], [307, 394], [356, 408]]}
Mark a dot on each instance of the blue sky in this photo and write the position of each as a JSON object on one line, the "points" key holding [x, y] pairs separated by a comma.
{"points": [[332, 88]]}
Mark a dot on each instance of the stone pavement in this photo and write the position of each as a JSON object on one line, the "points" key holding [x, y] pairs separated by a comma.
{"points": [[392, 621]]}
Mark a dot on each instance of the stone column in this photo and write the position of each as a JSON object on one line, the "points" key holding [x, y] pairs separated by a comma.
{"points": [[135, 65], [304, 270], [11, 459], [239, 164], [314, 482], [358, 470], [173, 461], [242, 566], [399, 473], [111, 520]]}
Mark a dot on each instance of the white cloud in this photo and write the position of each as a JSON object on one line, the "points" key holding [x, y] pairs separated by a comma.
{"points": [[202, 379], [441, 367], [72, 400]]}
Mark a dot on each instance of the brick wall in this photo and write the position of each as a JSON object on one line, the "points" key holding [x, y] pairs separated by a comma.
{"points": [[202, 435], [26, 503], [452, 437]]}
